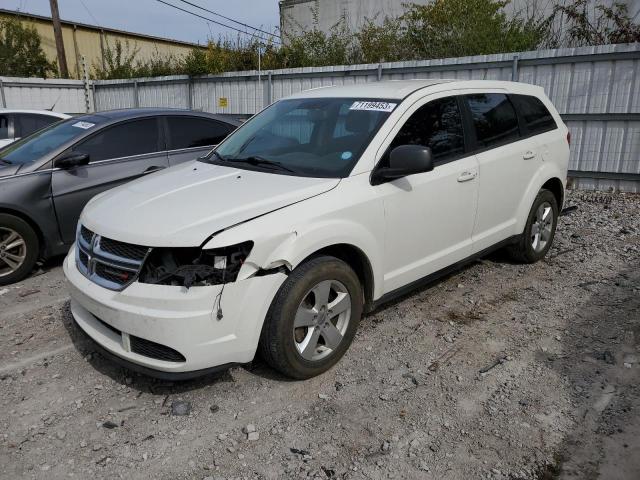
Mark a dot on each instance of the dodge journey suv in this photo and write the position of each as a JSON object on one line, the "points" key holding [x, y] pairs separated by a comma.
{"points": [[321, 207]]}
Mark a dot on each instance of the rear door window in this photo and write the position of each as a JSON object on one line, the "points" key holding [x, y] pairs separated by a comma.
{"points": [[189, 132], [123, 140], [494, 119], [26, 123], [437, 125], [536, 116]]}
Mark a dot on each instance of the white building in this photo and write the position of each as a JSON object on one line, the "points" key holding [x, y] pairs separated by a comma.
{"points": [[298, 15]]}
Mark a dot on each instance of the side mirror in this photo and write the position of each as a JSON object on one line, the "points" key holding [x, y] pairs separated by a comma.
{"points": [[72, 159], [405, 160]]}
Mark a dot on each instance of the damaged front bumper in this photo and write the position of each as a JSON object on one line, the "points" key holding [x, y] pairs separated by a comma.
{"points": [[166, 329]]}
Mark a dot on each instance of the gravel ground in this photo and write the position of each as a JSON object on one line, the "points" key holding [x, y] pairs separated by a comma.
{"points": [[499, 371]]}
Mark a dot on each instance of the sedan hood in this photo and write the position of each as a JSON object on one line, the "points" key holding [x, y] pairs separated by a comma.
{"points": [[8, 170], [184, 205]]}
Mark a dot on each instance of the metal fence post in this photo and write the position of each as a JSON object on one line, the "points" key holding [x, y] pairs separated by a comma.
{"points": [[269, 89], [136, 99], [189, 93], [514, 69], [379, 72], [4, 99], [95, 98], [85, 80]]}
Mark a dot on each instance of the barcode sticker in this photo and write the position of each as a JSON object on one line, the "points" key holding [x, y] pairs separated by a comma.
{"points": [[83, 125], [373, 106]]}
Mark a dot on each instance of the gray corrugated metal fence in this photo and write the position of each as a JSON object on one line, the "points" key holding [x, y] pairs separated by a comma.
{"points": [[596, 89]]}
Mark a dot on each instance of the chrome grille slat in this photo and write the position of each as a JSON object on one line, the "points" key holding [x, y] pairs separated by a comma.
{"points": [[107, 262]]}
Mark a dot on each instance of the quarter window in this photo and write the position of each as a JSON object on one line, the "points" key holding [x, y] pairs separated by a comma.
{"points": [[535, 115], [4, 127], [437, 125], [123, 140], [494, 119], [26, 124], [185, 132]]}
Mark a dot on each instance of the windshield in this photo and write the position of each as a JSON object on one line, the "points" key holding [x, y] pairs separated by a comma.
{"points": [[315, 137], [44, 141]]}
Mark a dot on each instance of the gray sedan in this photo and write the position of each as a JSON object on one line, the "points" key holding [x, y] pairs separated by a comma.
{"points": [[47, 178]]}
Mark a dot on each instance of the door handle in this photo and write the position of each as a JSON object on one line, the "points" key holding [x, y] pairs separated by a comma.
{"points": [[466, 176], [529, 155], [153, 168]]}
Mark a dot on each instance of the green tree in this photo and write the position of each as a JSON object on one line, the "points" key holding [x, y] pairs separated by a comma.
{"points": [[119, 61], [600, 25], [21, 53], [454, 28], [382, 43]]}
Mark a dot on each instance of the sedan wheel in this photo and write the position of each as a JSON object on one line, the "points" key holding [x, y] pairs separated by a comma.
{"points": [[13, 251]]}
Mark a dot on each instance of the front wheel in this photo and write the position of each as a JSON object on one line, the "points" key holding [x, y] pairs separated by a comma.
{"points": [[19, 249], [539, 231], [313, 318]]}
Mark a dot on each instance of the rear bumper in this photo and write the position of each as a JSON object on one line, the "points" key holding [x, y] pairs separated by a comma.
{"points": [[180, 320]]}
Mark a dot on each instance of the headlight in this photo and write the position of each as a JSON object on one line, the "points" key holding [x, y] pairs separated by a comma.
{"points": [[193, 267]]}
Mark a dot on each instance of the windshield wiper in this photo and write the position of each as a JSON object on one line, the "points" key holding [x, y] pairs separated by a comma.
{"points": [[260, 161], [6, 162]]}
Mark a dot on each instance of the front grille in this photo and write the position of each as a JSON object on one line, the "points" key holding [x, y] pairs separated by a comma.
{"points": [[151, 349], [124, 250], [107, 262]]}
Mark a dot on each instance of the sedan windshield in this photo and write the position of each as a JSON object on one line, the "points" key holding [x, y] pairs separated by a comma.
{"points": [[315, 137], [44, 141]]}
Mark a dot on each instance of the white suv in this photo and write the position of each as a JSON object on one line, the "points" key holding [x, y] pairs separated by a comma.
{"points": [[321, 207]]}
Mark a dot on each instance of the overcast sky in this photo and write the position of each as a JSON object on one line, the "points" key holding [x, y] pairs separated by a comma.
{"points": [[154, 18]]}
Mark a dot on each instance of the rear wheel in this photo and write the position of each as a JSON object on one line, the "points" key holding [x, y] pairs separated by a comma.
{"points": [[539, 231], [313, 318], [19, 248]]}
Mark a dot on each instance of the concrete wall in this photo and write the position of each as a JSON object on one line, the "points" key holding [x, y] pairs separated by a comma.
{"points": [[80, 39], [296, 15]]}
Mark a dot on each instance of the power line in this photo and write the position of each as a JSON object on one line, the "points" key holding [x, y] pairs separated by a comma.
{"points": [[229, 18], [214, 21], [90, 14]]}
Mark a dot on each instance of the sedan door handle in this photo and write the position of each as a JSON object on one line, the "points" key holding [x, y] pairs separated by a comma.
{"points": [[529, 155], [466, 176], [153, 168]]}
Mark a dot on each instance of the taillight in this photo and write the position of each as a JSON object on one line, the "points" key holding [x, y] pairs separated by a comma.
{"points": [[569, 138]]}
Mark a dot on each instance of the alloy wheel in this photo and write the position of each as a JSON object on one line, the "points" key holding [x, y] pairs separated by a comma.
{"points": [[542, 227], [322, 320], [13, 251]]}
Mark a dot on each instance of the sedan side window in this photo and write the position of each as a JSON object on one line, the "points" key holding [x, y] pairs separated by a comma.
{"points": [[4, 127], [124, 140], [437, 125], [185, 132], [494, 119]]}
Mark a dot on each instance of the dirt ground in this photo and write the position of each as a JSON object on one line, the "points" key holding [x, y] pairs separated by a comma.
{"points": [[499, 371]]}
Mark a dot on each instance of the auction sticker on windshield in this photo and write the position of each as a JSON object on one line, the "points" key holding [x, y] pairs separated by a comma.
{"points": [[83, 125], [373, 106]]}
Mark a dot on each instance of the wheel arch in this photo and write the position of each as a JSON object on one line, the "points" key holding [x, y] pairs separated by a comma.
{"points": [[357, 260], [555, 186]]}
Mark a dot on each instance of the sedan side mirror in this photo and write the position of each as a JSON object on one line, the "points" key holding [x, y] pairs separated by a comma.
{"points": [[405, 160], [72, 159]]}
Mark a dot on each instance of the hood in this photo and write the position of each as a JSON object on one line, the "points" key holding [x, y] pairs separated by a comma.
{"points": [[183, 206], [8, 170]]}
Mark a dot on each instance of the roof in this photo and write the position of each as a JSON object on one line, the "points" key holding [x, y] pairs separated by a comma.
{"points": [[128, 113], [37, 112], [99, 28], [391, 89], [401, 89]]}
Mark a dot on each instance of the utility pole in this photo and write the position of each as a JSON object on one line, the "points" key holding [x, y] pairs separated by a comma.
{"points": [[57, 32]]}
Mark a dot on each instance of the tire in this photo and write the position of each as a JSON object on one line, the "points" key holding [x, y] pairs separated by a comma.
{"points": [[525, 249], [19, 249], [291, 350]]}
